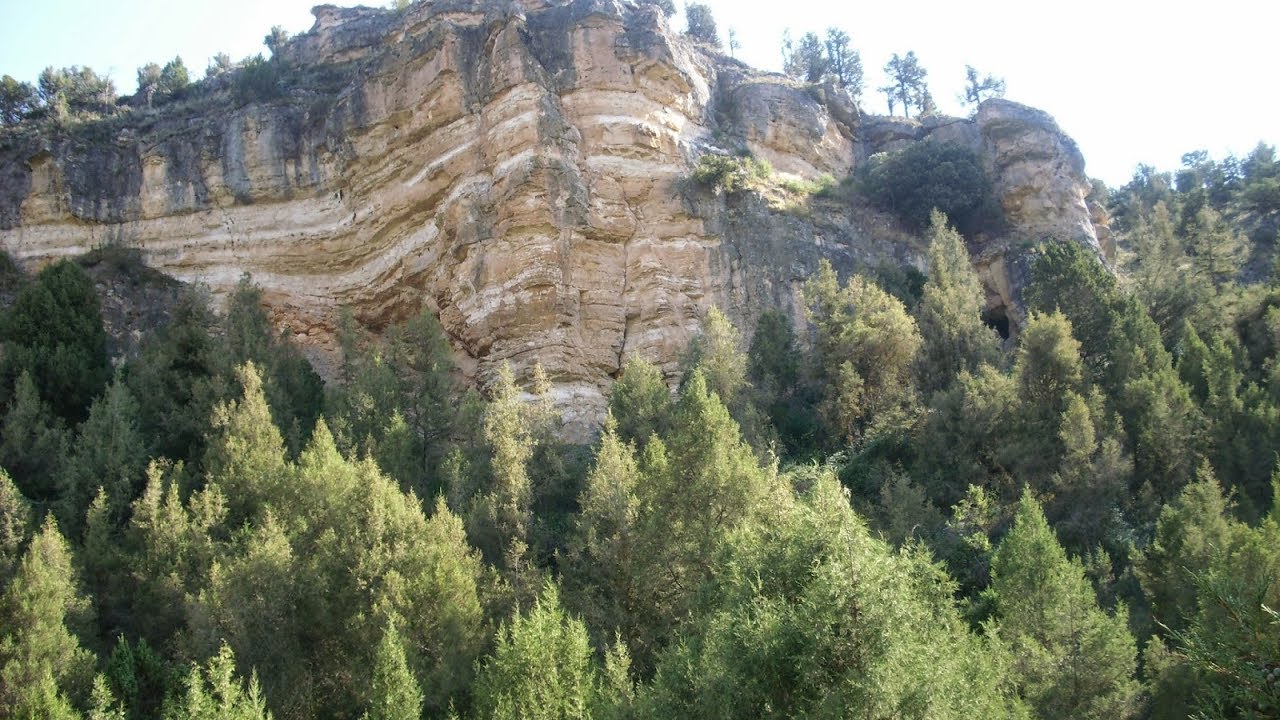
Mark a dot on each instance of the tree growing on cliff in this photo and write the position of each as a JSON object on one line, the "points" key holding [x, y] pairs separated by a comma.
{"points": [[16, 100], [806, 60], [845, 62], [701, 24], [906, 83], [975, 90]]}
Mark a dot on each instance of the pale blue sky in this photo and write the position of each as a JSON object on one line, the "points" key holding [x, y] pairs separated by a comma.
{"points": [[1131, 81]]}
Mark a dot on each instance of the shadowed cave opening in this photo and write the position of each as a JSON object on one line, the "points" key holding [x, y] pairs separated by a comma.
{"points": [[997, 319]]}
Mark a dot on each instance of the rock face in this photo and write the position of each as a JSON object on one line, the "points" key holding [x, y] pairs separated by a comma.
{"points": [[520, 168]]}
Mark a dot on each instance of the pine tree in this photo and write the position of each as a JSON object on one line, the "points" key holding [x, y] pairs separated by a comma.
{"points": [[541, 667], [54, 331], [640, 402], [15, 526], [394, 693], [246, 457], [108, 453], [1191, 532], [215, 693], [32, 444], [906, 82], [178, 378], [975, 90], [866, 344], [1071, 659], [41, 661], [949, 315]]}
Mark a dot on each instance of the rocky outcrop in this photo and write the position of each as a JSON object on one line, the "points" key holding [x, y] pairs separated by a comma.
{"points": [[520, 168]]}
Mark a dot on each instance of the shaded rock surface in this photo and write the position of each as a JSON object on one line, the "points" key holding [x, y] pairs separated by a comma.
{"points": [[520, 168]]}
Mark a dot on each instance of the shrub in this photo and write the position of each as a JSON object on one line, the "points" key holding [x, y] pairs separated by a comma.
{"points": [[912, 182], [731, 174], [257, 81]]}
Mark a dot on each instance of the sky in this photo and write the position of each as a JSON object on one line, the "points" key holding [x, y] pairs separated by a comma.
{"points": [[1132, 81]]}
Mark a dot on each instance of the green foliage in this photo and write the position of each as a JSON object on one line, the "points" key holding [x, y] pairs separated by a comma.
{"points": [[75, 92], [394, 693], [256, 80], [1123, 356], [907, 86], [949, 316], [975, 90], [1191, 532], [42, 665], [931, 175], [54, 331], [807, 60], [701, 25], [15, 526], [215, 693], [640, 402], [32, 443], [865, 347], [178, 378], [399, 403], [293, 390], [140, 677], [1070, 658], [541, 668], [17, 100], [730, 173], [246, 456], [109, 453], [811, 617]]}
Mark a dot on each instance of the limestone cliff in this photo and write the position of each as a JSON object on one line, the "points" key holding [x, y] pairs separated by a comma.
{"points": [[521, 169]]}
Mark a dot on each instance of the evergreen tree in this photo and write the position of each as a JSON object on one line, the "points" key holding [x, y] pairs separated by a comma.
{"points": [[108, 453], [541, 667], [102, 704], [246, 455], [292, 389], [1192, 531], [500, 519], [42, 665], [54, 331], [640, 402], [810, 616], [604, 572], [866, 344], [215, 693], [251, 603], [178, 378], [394, 693], [17, 100], [1070, 658], [975, 90], [906, 82], [845, 63], [949, 316], [1217, 249], [1048, 374], [33, 444], [15, 526], [701, 24], [808, 61]]}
